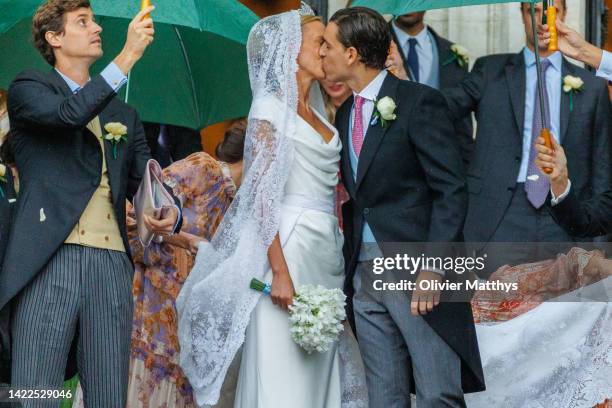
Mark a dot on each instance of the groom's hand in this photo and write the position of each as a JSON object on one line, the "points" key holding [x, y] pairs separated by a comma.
{"points": [[424, 301]]}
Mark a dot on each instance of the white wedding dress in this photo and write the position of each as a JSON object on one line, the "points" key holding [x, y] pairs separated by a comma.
{"points": [[275, 371]]}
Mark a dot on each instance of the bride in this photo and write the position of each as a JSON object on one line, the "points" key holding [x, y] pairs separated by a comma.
{"points": [[281, 229]]}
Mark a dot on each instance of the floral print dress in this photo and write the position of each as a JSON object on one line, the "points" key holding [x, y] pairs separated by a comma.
{"points": [[206, 190]]}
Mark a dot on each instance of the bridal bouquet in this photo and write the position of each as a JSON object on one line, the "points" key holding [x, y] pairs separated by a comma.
{"points": [[316, 315]]}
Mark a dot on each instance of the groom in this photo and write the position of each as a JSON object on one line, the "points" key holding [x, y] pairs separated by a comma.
{"points": [[67, 270], [406, 184]]}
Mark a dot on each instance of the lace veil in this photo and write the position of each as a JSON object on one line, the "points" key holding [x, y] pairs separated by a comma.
{"points": [[215, 303]]}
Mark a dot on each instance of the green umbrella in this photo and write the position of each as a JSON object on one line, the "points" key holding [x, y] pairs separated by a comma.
{"points": [[194, 74]]}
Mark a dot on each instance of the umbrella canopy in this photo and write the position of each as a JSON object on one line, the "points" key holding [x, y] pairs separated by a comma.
{"points": [[194, 74], [399, 7]]}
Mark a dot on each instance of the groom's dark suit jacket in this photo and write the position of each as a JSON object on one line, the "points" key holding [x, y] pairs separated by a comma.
{"points": [[495, 91], [59, 162], [588, 219], [410, 188]]}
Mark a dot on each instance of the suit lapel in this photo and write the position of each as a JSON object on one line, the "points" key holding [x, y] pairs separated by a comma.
{"points": [[375, 134], [343, 125], [113, 165], [515, 75], [444, 55], [566, 69]]}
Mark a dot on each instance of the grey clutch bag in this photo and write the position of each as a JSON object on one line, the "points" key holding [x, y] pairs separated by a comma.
{"points": [[151, 199]]}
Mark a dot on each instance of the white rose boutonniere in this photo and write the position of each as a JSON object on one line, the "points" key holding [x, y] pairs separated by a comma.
{"points": [[2, 178], [117, 132], [385, 110], [571, 85], [460, 54]]}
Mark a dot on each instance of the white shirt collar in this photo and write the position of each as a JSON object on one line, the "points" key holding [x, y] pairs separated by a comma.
{"points": [[74, 87], [370, 92], [556, 60], [403, 37]]}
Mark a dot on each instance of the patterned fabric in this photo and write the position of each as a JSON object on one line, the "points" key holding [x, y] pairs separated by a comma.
{"points": [[342, 196], [537, 282], [358, 131], [537, 189], [156, 380]]}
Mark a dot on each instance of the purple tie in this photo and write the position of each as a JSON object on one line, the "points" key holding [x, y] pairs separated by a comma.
{"points": [[537, 188]]}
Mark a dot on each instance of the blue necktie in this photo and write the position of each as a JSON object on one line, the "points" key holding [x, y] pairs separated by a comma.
{"points": [[413, 59]]}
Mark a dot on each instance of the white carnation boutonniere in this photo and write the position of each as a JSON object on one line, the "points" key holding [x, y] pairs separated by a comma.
{"points": [[384, 111], [117, 132], [571, 85], [460, 54], [2, 178]]}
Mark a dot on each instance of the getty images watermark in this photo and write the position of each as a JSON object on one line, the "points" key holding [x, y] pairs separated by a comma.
{"points": [[404, 263]]}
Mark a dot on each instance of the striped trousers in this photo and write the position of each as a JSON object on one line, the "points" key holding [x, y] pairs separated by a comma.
{"points": [[84, 292]]}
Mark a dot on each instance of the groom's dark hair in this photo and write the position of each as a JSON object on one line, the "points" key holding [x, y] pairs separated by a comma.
{"points": [[367, 31]]}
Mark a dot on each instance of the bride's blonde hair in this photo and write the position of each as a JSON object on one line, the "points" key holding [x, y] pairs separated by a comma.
{"points": [[309, 18], [330, 109]]}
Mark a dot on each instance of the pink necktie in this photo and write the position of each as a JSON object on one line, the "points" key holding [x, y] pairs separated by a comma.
{"points": [[358, 125]]}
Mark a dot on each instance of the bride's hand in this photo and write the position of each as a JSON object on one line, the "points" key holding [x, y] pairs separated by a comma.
{"points": [[282, 288]]}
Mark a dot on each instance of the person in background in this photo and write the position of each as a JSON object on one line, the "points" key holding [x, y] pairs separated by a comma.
{"points": [[507, 192], [581, 218], [4, 119], [420, 54], [9, 185], [206, 187], [169, 143]]}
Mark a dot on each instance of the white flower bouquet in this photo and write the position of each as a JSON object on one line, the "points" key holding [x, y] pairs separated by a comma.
{"points": [[316, 315]]}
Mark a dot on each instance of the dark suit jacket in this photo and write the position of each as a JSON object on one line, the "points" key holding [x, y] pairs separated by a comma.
{"points": [[180, 142], [410, 188], [6, 211], [451, 74], [589, 219], [59, 162], [495, 91]]}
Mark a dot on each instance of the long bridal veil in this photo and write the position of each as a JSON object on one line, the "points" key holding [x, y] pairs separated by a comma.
{"points": [[215, 303]]}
